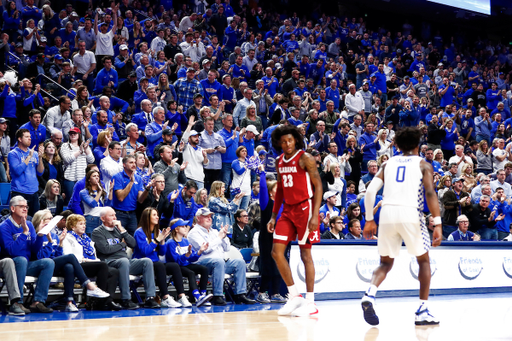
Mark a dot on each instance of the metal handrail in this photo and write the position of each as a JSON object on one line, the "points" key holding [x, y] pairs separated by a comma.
{"points": [[42, 74], [47, 93]]}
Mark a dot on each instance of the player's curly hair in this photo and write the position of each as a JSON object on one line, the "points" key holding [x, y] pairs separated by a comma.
{"points": [[283, 130], [408, 138]]}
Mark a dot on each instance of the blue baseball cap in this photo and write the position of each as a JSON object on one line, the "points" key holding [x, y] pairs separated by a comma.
{"points": [[179, 223]]}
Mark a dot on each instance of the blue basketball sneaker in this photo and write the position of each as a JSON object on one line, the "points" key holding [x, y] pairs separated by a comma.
{"points": [[424, 317], [368, 312]]}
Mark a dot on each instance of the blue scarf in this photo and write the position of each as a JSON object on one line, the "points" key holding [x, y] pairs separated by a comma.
{"points": [[85, 241]]}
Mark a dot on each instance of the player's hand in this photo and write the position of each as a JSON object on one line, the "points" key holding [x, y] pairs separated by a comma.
{"points": [[313, 225], [369, 229], [437, 236], [271, 226]]}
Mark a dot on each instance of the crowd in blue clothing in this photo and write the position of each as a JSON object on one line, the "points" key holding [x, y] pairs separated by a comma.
{"points": [[188, 90]]}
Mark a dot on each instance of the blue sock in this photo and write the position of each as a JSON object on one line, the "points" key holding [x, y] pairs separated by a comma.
{"points": [[196, 294]]}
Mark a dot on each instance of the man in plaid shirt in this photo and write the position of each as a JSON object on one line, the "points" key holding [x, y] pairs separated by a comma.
{"points": [[186, 88]]}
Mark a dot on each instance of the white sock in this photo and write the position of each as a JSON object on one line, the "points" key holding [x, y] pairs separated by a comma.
{"points": [[372, 291], [310, 296], [293, 291], [423, 304]]}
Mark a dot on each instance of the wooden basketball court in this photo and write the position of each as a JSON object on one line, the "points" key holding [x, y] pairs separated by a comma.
{"points": [[463, 317]]}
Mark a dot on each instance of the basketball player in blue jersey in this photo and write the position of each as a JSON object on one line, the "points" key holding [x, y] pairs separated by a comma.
{"points": [[405, 178]]}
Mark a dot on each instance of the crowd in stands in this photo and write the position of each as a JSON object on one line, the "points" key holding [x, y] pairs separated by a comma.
{"points": [[146, 120]]}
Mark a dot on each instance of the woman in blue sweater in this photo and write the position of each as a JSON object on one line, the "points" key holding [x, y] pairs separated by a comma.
{"points": [[448, 142], [151, 244], [179, 250], [65, 265]]}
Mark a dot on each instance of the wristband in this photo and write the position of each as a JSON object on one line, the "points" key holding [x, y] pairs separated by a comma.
{"points": [[437, 221]]}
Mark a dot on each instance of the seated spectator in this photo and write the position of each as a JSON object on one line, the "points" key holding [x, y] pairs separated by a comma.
{"points": [[481, 219], [51, 198], [242, 234], [329, 210], [65, 265], [151, 244], [8, 271], [53, 166], [353, 212], [19, 241], [94, 197], [222, 209], [111, 241], [79, 244], [213, 257], [462, 233], [354, 230], [179, 250], [335, 227]]}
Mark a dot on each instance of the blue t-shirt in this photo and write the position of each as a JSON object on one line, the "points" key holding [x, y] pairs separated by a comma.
{"points": [[129, 203]]}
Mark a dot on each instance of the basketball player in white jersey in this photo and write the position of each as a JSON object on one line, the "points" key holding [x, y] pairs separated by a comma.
{"points": [[405, 179]]}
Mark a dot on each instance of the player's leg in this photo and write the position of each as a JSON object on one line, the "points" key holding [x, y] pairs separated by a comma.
{"points": [[309, 266], [389, 244], [278, 251], [423, 316]]}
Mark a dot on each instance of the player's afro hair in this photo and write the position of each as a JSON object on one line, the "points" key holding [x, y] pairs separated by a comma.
{"points": [[283, 130], [408, 138]]}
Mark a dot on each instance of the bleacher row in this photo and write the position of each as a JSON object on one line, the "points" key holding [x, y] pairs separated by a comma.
{"points": [[136, 282]]}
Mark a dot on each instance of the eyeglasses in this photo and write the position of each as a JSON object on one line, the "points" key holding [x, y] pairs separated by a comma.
{"points": [[25, 207], [244, 216]]}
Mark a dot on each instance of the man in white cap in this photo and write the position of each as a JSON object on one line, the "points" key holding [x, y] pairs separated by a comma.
{"points": [[328, 210], [247, 138], [194, 155], [213, 257]]}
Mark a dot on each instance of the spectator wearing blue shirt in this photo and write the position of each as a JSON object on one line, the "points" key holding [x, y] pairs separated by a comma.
{"points": [[429, 157], [154, 131], [211, 87], [95, 129], [230, 37], [128, 190], [36, 129], [467, 125], [447, 91], [501, 109], [20, 242], [380, 83], [68, 36], [493, 96], [271, 82], [184, 205], [369, 145], [409, 115], [106, 76], [231, 140], [25, 165], [483, 126]]}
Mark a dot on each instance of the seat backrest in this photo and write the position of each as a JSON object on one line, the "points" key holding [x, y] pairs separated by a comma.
{"points": [[233, 253], [5, 192], [246, 253]]}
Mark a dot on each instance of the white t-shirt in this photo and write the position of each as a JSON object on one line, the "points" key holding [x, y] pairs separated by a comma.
{"points": [[497, 164], [456, 159], [104, 44]]}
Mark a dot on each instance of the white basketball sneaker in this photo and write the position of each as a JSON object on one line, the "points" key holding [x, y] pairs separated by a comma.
{"points": [[292, 304], [309, 309]]}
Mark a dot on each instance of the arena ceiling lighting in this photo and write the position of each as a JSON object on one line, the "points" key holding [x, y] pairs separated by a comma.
{"points": [[480, 6]]}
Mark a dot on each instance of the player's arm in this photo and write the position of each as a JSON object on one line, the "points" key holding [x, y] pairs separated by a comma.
{"points": [[277, 202], [307, 161], [432, 202], [370, 227]]}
